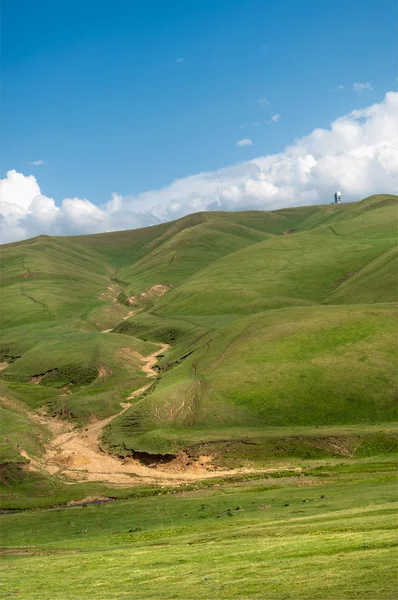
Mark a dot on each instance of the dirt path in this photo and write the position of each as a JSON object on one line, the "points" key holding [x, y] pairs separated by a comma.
{"points": [[75, 454], [147, 362]]}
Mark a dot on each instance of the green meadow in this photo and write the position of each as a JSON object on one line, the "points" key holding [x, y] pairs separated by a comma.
{"points": [[328, 533]]}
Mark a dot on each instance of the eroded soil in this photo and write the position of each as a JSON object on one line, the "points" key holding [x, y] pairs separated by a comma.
{"points": [[76, 454], [156, 290]]}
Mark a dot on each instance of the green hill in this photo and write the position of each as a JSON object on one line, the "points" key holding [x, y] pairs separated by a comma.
{"points": [[275, 321]]}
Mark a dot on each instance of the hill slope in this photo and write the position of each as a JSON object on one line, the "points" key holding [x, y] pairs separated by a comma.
{"points": [[274, 320]]}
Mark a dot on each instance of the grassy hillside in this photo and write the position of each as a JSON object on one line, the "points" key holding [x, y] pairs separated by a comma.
{"points": [[290, 270], [288, 367], [276, 319], [376, 282], [173, 392]]}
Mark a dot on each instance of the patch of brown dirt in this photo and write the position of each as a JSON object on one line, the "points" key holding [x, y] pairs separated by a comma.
{"points": [[184, 463], [6, 402], [156, 290], [103, 373], [66, 389], [37, 378], [3, 366], [89, 499], [77, 455], [29, 274], [147, 362], [115, 308], [33, 465], [111, 292], [137, 393], [53, 424]]}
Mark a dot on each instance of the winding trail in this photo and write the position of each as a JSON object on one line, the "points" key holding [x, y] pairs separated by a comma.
{"points": [[75, 454], [148, 362]]}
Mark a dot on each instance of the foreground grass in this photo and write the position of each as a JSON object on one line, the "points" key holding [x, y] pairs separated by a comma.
{"points": [[320, 537]]}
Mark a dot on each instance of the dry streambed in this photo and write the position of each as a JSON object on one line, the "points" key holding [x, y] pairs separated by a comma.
{"points": [[76, 455]]}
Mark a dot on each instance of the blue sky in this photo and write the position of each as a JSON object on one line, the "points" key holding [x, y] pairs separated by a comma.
{"points": [[93, 87], [125, 113]]}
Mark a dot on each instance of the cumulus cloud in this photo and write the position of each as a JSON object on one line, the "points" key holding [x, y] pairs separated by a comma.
{"points": [[360, 87], [274, 119], [244, 142], [357, 154], [36, 163]]}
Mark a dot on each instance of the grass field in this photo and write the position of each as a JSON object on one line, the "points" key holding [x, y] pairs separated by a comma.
{"points": [[329, 533]]}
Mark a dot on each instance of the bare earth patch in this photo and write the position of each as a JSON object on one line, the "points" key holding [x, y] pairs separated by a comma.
{"points": [[88, 500], [156, 290], [137, 392], [147, 362], [3, 366], [33, 466], [36, 379], [103, 373], [77, 455]]}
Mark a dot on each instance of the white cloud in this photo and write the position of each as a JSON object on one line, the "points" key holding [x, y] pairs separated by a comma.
{"points": [[36, 163], [244, 142], [359, 87], [340, 87], [357, 154], [179, 60], [263, 101], [274, 119]]}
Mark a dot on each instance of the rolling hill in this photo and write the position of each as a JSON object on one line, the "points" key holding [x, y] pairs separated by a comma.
{"points": [[276, 333]]}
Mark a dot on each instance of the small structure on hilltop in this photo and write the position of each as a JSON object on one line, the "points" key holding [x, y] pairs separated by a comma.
{"points": [[337, 197]]}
